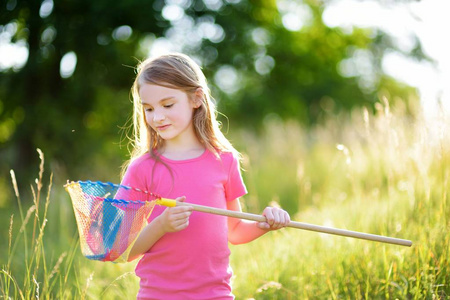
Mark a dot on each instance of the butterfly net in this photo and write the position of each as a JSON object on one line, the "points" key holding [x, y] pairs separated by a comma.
{"points": [[108, 224]]}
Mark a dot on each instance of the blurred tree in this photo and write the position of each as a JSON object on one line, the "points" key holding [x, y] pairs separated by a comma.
{"points": [[69, 106], [261, 56], [278, 57]]}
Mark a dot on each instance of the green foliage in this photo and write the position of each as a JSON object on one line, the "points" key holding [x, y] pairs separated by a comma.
{"points": [[294, 73], [386, 174], [41, 258], [379, 172], [45, 110]]}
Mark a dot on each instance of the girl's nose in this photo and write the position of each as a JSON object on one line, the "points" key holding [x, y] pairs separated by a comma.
{"points": [[158, 117]]}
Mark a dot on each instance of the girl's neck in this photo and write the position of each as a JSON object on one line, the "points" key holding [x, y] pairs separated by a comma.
{"points": [[176, 151]]}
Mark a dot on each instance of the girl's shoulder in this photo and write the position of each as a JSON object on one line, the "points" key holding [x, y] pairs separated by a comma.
{"points": [[226, 154], [229, 157], [233, 153], [143, 161]]}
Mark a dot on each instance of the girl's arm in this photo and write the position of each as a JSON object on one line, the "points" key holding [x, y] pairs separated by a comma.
{"points": [[243, 231], [171, 220]]}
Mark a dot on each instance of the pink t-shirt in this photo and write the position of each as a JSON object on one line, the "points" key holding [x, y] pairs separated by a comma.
{"points": [[192, 263]]}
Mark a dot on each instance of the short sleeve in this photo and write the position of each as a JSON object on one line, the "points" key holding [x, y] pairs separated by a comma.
{"points": [[132, 178], [135, 179], [235, 187]]}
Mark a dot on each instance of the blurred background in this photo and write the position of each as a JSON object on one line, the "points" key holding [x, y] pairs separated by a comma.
{"points": [[66, 68], [339, 107]]}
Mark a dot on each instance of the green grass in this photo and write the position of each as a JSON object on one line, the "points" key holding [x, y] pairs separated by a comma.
{"points": [[387, 174]]}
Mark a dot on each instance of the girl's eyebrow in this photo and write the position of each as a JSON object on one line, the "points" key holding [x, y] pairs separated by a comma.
{"points": [[160, 101]]}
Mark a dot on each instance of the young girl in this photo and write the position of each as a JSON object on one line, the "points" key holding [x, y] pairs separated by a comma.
{"points": [[180, 152]]}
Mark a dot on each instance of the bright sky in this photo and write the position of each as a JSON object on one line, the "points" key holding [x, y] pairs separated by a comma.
{"points": [[427, 19]]}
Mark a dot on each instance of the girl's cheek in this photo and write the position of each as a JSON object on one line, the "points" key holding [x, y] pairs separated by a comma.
{"points": [[147, 118]]}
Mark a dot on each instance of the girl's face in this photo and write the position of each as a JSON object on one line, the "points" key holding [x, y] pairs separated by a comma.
{"points": [[169, 112]]}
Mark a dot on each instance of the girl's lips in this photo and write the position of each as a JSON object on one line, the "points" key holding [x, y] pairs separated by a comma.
{"points": [[163, 127]]}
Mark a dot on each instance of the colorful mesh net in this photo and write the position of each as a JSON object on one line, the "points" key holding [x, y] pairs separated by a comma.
{"points": [[107, 224]]}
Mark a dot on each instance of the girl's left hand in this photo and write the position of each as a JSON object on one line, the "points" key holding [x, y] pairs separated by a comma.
{"points": [[276, 218]]}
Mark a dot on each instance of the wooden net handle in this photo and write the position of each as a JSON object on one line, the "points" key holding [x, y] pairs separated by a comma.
{"points": [[299, 225]]}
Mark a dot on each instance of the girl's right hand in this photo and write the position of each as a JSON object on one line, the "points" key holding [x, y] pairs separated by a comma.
{"points": [[175, 218]]}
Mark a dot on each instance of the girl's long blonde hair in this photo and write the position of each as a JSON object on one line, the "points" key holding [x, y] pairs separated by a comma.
{"points": [[176, 71]]}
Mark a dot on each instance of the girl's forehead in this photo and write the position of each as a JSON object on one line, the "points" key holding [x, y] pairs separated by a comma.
{"points": [[152, 94]]}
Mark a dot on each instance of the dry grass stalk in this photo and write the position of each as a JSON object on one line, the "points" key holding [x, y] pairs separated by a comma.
{"points": [[57, 265]]}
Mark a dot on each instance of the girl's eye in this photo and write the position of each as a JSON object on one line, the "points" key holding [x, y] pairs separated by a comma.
{"points": [[168, 106], [149, 109]]}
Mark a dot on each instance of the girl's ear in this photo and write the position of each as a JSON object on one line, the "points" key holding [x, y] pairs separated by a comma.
{"points": [[198, 97]]}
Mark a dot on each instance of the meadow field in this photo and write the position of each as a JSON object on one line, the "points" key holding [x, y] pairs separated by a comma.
{"points": [[386, 173]]}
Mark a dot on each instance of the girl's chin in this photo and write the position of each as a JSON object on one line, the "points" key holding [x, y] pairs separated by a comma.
{"points": [[166, 135]]}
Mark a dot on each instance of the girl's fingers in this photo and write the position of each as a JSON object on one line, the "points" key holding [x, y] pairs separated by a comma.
{"points": [[180, 224], [269, 216], [283, 218], [276, 218], [181, 215], [183, 208], [181, 199], [177, 218]]}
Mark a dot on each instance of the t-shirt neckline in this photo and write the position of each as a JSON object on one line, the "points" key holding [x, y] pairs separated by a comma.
{"points": [[181, 161]]}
